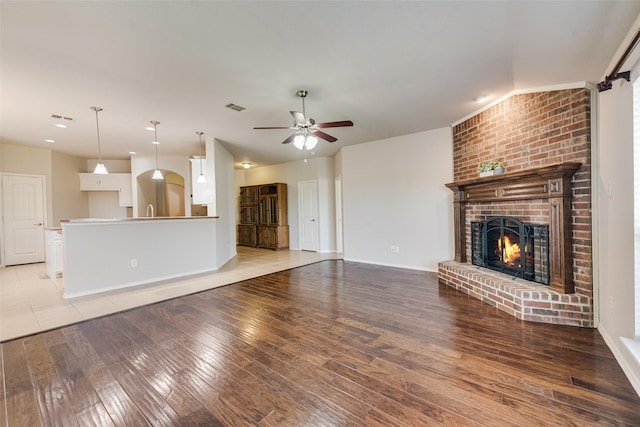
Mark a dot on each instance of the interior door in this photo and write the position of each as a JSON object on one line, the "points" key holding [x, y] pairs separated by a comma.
{"points": [[308, 213], [338, 184], [23, 213]]}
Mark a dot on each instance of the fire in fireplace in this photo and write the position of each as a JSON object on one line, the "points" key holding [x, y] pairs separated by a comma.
{"points": [[512, 247]]}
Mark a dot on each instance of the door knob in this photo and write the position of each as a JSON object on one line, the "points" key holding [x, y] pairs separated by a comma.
{"points": [[38, 224], [313, 220]]}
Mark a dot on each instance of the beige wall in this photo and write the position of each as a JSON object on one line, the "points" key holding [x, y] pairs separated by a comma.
{"points": [[67, 200], [21, 159], [63, 197]]}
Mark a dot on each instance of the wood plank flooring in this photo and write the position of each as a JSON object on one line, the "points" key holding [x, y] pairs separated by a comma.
{"points": [[329, 344]]}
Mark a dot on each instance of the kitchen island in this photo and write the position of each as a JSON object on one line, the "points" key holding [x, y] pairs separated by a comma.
{"points": [[105, 254]]}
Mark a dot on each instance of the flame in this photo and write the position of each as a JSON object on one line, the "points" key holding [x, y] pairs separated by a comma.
{"points": [[511, 252]]}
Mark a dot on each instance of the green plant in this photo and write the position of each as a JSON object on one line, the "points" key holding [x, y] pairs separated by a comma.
{"points": [[489, 166]]}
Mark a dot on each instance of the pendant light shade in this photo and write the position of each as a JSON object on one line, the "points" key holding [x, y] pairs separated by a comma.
{"points": [[157, 174], [100, 169], [201, 178]]}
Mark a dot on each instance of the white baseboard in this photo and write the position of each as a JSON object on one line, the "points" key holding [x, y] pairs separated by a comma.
{"points": [[627, 354]]}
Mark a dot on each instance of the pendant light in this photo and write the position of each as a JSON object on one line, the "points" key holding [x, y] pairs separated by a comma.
{"points": [[157, 174], [201, 178], [100, 167]]}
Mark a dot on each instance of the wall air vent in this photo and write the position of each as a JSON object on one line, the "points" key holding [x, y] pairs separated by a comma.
{"points": [[235, 107], [59, 117]]}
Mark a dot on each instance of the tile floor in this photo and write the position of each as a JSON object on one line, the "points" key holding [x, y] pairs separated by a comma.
{"points": [[30, 302]]}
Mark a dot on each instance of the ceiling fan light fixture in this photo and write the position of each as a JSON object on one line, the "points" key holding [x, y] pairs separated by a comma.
{"points": [[298, 142], [310, 142]]}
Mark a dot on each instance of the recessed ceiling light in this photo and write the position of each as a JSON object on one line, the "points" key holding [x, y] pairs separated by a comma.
{"points": [[132, 152], [60, 125], [481, 98], [149, 128], [155, 142], [50, 140]]}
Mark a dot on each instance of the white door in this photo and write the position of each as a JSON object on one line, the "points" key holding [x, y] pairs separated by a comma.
{"points": [[339, 215], [308, 214], [23, 212]]}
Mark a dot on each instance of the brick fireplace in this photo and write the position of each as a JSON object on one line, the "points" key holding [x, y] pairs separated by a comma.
{"points": [[544, 140]]}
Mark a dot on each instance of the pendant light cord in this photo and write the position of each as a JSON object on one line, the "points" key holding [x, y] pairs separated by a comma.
{"points": [[155, 138], [96, 109], [200, 146]]}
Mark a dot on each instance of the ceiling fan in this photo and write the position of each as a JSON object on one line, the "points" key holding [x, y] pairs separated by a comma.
{"points": [[307, 130]]}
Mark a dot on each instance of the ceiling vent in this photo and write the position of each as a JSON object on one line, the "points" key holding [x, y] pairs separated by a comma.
{"points": [[235, 107], [59, 117]]}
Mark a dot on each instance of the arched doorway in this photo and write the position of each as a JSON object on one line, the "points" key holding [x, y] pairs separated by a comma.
{"points": [[161, 197]]}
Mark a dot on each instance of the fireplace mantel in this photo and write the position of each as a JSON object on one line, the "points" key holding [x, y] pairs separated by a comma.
{"points": [[550, 183]]}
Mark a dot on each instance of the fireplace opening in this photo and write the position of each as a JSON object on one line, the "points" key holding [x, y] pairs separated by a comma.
{"points": [[512, 247]]}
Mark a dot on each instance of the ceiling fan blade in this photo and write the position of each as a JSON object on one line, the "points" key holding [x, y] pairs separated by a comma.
{"points": [[334, 124], [273, 127], [288, 140], [299, 118], [324, 136]]}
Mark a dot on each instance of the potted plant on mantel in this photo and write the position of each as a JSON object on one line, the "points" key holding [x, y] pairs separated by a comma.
{"points": [[492, 167]]}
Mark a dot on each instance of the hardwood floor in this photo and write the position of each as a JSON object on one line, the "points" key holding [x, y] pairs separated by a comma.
{"points": [[333, 344]]}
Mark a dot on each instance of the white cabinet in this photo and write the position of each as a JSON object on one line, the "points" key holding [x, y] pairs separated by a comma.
{"points": [[120, 182], [93, 182], [125, 192], [53, 254], [199, 190]]}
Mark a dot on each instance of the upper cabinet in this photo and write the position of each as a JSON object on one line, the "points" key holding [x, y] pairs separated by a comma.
{"points": [[125, 191], [93, 182], [120, 182]]}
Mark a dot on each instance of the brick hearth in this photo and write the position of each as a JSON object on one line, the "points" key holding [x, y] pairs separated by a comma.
{"points": [[520, 298]]}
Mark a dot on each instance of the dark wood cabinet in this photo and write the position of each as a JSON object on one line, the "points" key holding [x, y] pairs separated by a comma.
{"points": [[263, 216], [247, 235]]}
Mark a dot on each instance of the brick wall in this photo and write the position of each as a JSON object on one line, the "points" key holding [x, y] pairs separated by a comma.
{"points": [[528, 131]]}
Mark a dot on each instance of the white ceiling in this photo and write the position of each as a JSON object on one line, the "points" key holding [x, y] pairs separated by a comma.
{"points": [[393, 68]]}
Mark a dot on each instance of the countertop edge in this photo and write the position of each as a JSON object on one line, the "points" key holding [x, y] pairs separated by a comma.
{"points": [[139, 219]]}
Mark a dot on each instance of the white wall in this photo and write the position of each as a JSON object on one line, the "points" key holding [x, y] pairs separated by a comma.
{"points": [[615, 253], [394, 195], [319, 169], [225, 202]]}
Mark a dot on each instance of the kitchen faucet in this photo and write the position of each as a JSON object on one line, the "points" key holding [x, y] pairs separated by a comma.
{"points": [[150, 206]]}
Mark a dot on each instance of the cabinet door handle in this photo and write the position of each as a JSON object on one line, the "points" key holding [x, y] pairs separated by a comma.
{"points": [[313, 220], [38, 224]]}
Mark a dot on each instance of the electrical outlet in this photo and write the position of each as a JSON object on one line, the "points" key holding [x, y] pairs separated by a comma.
{"points": [[395, 249], [134, 262], [610, 304]]}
